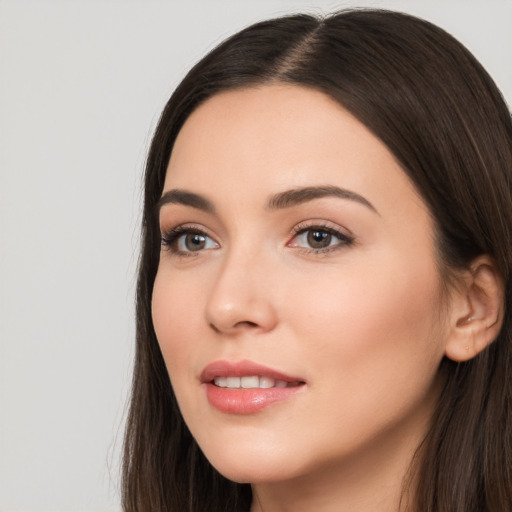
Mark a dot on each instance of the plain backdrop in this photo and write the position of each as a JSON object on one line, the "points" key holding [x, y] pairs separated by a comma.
{"points": [[81, 86]]}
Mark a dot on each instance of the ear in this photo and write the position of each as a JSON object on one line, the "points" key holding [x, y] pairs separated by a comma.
{"points": [[476, 312]]}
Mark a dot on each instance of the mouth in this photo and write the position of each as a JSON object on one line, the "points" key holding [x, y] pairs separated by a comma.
{"points": [[252, 382], [245, 387]]}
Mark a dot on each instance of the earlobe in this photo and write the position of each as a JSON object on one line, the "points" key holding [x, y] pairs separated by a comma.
{"points": [[477, 314]]}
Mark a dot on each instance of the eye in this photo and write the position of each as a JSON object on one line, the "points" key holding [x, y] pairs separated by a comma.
{"points": [[183, 240], [194, 242], [319, 238]]}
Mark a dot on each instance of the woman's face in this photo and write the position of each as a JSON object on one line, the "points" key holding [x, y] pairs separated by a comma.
{"points": [[298, 262]]}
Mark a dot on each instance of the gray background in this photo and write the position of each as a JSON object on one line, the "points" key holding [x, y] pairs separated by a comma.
{"points": [[81, 86]]}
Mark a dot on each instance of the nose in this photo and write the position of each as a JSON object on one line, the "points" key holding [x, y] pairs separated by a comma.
{"points": [[241, 297]]}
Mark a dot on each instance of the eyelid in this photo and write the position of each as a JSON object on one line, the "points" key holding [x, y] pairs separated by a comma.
{"points": [[345, 236], [170, 236]]}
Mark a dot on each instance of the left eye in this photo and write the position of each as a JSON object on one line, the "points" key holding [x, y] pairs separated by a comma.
{"points": [[193, 242], [319, 238]]}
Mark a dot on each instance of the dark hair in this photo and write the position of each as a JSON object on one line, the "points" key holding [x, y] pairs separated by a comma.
{"points": [[438, 111]]}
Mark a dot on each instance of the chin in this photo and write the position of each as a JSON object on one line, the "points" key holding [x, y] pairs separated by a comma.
{"points": [[250, 473], [248, 464]]}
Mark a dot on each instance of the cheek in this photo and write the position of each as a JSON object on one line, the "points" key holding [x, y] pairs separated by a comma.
{"points": [[175, 313], [376, 334]]}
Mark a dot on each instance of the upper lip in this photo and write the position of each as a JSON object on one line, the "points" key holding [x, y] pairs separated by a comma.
{"points": [[243, 369]]}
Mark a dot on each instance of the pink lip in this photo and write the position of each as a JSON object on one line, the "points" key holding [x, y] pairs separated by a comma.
{"points": [[245, 401], [242, 369]]}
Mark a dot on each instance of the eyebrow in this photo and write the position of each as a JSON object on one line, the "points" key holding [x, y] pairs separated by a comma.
{"points": [[279, 201], [186, 198], [302, 195]]}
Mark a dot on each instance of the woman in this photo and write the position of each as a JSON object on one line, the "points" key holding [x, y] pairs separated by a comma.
{"points": [[322, 320]]}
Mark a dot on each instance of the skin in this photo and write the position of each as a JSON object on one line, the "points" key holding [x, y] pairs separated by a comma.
{"points": [[362, 323]]}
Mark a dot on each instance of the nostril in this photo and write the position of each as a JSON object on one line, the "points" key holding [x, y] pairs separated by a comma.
{"points": [[216, 329], [246, 323]]}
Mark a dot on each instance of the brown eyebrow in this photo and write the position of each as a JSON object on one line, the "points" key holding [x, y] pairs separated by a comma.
{"points": [[285, 199], [186, 198], [302, 195]]}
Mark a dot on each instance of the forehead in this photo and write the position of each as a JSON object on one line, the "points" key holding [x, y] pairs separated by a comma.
{"points": [[262, 140]]}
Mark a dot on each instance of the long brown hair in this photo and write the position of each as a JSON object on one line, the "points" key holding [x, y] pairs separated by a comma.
{"points": [[438, 111]]}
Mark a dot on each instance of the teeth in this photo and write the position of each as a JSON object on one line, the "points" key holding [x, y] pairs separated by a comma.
{"points": [[267, 382], [252, 381], [233, 382], [222, 382]]}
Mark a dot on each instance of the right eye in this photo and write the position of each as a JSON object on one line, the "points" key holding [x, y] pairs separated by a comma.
{"points": [[183, 241]]}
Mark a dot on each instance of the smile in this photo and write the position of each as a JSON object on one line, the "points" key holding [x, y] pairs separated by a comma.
{"points": [[246, 387], [252, 382]]}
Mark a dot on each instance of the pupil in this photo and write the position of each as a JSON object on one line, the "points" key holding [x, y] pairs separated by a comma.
{"points": [[319, 239], [195, 242]]}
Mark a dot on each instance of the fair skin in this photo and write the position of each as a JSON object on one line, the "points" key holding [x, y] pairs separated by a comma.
{"points": [[340, 291]]}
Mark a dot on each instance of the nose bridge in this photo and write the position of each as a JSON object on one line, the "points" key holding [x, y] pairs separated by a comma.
{"points": [[241, 296]]}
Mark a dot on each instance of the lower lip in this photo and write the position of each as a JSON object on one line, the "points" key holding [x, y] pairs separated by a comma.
{"points": [[247, 401]]}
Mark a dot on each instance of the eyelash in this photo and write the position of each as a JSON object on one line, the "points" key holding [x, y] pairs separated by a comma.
{"points": [[170, 238], [344, 239]]}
